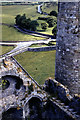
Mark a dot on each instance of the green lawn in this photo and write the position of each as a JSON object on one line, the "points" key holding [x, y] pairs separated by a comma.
{"points": [[9, 12], [37, 45], [11, 34], [5, 49], [49, 7], [40, 65]]}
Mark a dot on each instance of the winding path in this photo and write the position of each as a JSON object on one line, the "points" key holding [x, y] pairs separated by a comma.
{"points": [[23, 46]]}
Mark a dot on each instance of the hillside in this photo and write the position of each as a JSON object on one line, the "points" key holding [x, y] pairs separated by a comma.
{"points": [[8, 16]]}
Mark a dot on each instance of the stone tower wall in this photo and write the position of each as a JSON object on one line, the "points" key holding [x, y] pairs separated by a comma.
{"points": [[68, 46]]}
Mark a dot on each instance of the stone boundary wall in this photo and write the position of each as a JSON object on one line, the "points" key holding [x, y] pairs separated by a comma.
{"points": [[26, 72], [42, 49]]}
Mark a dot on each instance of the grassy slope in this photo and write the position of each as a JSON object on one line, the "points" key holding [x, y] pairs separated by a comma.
{"points": [[50, 7], [11, 34], [5, 49], [9, 12], [40, 65]]}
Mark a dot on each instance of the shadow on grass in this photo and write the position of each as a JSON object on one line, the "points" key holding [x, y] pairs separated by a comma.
{"points": [[40, 30]]}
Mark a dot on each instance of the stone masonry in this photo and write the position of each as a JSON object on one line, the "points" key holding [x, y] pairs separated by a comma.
{"points": [[21, 97], [68, 46]]}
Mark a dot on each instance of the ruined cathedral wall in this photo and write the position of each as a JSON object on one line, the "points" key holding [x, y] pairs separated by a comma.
{"points": [[68, 46]]}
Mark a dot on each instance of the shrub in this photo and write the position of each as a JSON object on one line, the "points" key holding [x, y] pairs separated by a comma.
{"points": [[54, 31], [53, 13], [51, 21], [44, 26], [27, 23], [33, 25], [42, 18]]}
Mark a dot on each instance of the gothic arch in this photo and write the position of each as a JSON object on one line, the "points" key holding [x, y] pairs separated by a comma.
{"points": [[33, 107], [33, 96]]}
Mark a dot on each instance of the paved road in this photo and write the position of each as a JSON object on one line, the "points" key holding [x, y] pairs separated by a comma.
{"points": [[40, 10], [29, 32], [23, 46], [8, 43], [26, 31]]}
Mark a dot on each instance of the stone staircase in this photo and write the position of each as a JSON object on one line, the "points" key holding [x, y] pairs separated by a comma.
{"points": [[70, 111]]}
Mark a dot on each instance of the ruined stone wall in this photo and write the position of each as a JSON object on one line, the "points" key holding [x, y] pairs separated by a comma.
{"points": [[68, 46]]}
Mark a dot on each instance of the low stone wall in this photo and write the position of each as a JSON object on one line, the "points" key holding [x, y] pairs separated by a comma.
{"points": [[61, 92], [38, 49], [55, 87]]}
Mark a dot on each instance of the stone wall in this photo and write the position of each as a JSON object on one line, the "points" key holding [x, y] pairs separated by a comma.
{"points": [[38, 49], [56, 88], [68, 46]]}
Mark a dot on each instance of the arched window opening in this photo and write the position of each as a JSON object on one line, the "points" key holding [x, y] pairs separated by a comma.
{"points": [[19, 83], [35, 106]]}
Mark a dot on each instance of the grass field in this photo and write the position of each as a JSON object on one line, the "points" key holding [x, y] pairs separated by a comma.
{"points": [[11, 34], [37, 45], [40, 65], [9, 12], [8, 16], [50, 6], [5, 49]]}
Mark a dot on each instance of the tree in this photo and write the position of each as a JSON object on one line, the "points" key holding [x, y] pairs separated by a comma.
{"points": [[54, 31], [17, 19], [26, 23], [30, 88], [33, 25], [23, 23], [22, 18], [51, 21], [54, 13], [44, 26]]}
